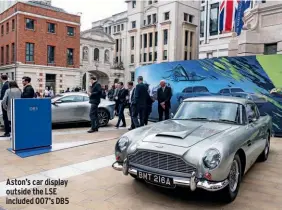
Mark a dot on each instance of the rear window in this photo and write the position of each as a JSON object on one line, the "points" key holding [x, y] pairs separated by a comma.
{"points": [[200, 89], [236, 90]]}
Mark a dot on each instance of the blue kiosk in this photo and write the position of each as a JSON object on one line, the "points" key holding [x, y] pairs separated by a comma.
{"points": [[31, 126]]}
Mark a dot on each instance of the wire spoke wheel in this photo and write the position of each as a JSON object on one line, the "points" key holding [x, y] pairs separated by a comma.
{"points": [[234, 176]]}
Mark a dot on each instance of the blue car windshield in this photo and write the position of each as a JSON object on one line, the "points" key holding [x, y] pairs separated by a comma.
{"points": [[209, 111]]}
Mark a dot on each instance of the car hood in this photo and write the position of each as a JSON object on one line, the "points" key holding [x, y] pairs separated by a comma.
{"points": [[183, 133]]}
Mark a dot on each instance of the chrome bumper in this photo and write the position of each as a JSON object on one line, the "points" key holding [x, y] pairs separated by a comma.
{"points": [[192, 182]]}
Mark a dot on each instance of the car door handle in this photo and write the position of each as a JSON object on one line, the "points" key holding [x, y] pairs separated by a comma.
{"points": [[249, 143]]}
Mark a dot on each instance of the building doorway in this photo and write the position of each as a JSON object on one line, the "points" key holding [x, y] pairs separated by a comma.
{"points": [[51, 82]]}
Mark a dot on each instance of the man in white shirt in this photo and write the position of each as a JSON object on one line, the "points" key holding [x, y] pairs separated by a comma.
{"points": [[131, 94]]}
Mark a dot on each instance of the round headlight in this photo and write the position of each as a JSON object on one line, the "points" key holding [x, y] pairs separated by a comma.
{"points": [[212, 158], [122, 143]]}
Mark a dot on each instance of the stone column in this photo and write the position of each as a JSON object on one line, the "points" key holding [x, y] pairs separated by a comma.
{"points": [[188, 45], [87, 81]]}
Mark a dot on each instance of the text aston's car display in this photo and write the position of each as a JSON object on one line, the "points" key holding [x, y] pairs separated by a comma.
{"points": [[210, 143]]}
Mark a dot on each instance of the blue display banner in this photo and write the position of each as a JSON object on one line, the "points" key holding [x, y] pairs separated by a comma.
{"points": [[31, 124]]}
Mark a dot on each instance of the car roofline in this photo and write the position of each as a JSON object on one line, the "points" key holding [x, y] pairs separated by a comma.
{"points": [[225, 99]]}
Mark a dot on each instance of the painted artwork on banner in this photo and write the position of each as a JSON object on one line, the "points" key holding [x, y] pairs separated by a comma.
{"points": [[255, 77]]}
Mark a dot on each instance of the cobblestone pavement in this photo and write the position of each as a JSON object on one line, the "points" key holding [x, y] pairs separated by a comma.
{"points": [[94, 185]]}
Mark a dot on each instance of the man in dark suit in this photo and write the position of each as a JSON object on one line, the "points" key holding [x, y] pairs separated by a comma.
{"points": [[139, 103], [164, 95], [131, 90], [5, 87], [28, 91], [94, 99], [122, 100]]}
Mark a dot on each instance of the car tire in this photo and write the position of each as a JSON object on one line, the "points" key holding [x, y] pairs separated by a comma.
{"points": [[264, 155], [134, 176], [104, 117], [230, 192]]}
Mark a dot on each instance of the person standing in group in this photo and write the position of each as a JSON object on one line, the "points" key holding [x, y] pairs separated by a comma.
{"points": [[164, 95], [116, 98], [111, 93], [28, 91], [140, 102], [148, 109], [131, 90], [5, 87], [13, 92], [122, 100], [94, 100]]}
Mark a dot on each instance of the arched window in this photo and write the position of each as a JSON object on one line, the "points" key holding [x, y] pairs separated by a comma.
{"points": [[96, 54], [85, 53]]}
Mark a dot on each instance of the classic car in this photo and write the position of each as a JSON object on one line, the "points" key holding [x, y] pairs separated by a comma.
{"points": [[230, 90], [193, 91], [75, 107], [210, 143]]}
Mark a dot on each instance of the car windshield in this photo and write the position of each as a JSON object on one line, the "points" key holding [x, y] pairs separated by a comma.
{"points": [[209, 110]]}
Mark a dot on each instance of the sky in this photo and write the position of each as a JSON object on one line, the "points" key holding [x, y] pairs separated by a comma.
{"points": [[91, 10]]}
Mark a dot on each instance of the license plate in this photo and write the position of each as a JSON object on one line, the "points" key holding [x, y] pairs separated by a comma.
{"points": [[155, 179]]}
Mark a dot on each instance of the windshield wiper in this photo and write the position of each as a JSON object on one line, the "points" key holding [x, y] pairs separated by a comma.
{"points": [[198, 118], [224, 120]]}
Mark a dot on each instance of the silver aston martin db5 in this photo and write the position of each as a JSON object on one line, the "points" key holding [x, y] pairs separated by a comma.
{"points": [[210, 143]]}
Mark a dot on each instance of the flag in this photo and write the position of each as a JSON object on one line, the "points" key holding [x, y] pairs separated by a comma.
{"points": [[240, 7], [226, 15]]}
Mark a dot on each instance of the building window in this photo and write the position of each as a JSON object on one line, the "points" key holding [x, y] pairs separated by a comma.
{"points": [[165, 36], [185, 55], [186, 38], [110, 30], [209, 55], [191, 38], [117, 45], [165, 55], [115, 29], [156, 38], [7, 54], [155, 56], [190, 19], [154, 18], [70, 31], [132, 43], [214, 19], [118, 28], [2, 55], [13, 75], [185, 17], [270, 49], [202, 22], [122, 27], [13, 24], [133, 4], [149, 19], [132, 76], [190, 55], [141, 41], [145, 57], [70, 56], [2, 30], [150, 39], [166, 16], [133, 24], [150, 56], [96, 54], [7, 28], [51, 55], [51, 28], [29, 24], [132, 59], [13, 53], [145, 40], [150, 2], [29, 53]]}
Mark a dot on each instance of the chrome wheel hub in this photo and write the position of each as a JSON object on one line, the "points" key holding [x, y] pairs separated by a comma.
{"points": [[234, 176], [103, 118]]}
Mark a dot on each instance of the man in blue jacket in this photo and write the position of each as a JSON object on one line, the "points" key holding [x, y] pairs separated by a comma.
{"points": [[5, 87], [94, 99]]}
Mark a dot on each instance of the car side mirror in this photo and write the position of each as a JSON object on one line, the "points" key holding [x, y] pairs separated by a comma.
{"points": [[252, 119], [57, 102]]}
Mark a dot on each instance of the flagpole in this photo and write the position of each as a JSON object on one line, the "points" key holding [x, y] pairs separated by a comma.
{"points": [[218, 21]]}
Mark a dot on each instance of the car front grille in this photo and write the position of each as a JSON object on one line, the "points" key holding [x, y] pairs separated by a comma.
{"points": [[160, 161]]}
